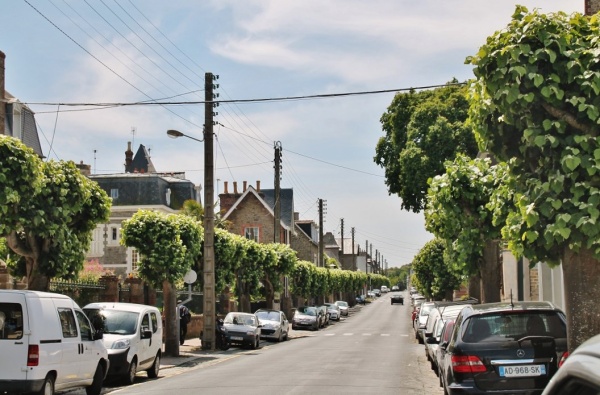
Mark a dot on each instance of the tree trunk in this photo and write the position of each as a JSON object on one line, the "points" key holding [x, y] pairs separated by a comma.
{"points": [[269, 292], [490, 273], [581, 272], [475, 287], [36, 281], [171, 320]]}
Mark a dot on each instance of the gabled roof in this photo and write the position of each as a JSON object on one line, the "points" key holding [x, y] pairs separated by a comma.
{"points": [[267, 206], [141, 162], [28, 133]]}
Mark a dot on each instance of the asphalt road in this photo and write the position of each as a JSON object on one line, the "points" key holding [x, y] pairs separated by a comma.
{"points": [[371, 352]]}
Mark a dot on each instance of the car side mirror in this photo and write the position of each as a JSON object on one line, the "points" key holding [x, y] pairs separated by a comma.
{"points": [[444, 345], [98, 335], [146, 334], [431, 340]]}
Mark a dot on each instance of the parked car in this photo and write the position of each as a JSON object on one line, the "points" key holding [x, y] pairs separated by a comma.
{"points": [[504, 348], [397, 298], [445, 334], [433, 329], [243, 329], [580, 373], [133, 335], [48, 344], [333, 311], [306, 317], [344, 308], [395, 288], [421, 320], [384, 289], [323, 316], [377, 292], [275, 325]]}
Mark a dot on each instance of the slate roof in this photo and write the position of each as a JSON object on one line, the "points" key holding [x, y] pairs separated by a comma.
{"points": [[287, 203], [29, 135]]}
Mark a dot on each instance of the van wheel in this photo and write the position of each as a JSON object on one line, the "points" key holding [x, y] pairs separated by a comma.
{"points": [[96, 386], [153, 371], [130, 376], [48, 386]]}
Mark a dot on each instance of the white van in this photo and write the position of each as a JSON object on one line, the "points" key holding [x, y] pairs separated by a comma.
{"points": [[48, 344], [132, 336]]}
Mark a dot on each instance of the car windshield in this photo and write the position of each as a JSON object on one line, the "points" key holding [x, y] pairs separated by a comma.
{"points": [[308, 310], [510, 326], [343, 304], [240, 319], [425, 309], [268, 315], [114, 321]]}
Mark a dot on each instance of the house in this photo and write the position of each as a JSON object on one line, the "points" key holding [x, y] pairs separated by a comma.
{"points": [[250, 213], [16, 119], [140, 187]]}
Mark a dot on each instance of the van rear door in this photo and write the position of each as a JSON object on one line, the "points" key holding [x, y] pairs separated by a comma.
{"points": [[14, 341]]}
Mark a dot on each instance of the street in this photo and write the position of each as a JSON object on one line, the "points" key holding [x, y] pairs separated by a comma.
{"points": [[371, 352]]}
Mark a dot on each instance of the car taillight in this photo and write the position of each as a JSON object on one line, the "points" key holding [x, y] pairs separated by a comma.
{"points": [[33, 355], [563, 358], [467, 364]]}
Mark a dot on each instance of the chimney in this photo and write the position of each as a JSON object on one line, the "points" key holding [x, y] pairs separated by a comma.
{"points": [[235, 192], [128, 158], [86, 170], [257, 185], [225, 187], [2, 95], [245, 185], [592, 7]]}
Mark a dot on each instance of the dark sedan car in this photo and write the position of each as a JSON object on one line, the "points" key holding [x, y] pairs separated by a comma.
{"points": [[504, 348], [243, 329], [397, 298]]}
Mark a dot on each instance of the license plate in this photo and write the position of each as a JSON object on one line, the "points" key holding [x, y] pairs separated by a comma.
{"points": [[238, 338], [522, 370]]}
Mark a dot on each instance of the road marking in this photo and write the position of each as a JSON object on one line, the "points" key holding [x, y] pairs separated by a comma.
{"points": [[348, 334], [366, 334], [385, 334], [329, 334]]}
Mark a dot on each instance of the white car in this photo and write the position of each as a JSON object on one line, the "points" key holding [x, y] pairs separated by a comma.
{"points": [[47, 344], [275, 325], [132, 336], [343, 305]]}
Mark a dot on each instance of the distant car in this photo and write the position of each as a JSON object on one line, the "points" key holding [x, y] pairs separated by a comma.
{"points": [[306, 317], [580, 373], [505, 348], [243, 329], [395, 288], [421, 320], [397, 298], [384, 289], [377, 292], [371, 294], [343, 305], [334, 311], [275, 325], [324, 317]]}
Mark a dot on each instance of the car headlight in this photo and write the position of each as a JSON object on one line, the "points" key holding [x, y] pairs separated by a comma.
{"points": [[121, 344], [250, 333]]}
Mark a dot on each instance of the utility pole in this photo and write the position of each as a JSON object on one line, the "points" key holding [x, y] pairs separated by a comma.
{"points": [[321, 243], [376, 261], [367, 256], [277, 208], [353, 255], [208, 337], [371, 255]]}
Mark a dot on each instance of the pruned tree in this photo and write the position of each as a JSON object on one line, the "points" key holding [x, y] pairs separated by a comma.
{"points": [[458, 212], [48, 211], [168, 244], [535, 104], [434, 274]]}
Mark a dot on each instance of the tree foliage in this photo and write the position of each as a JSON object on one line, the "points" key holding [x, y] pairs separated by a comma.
{"points": [[48, 211], [422, 131], [435, 277], [536, 105]]}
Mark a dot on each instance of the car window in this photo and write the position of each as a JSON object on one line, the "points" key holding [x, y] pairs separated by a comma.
{"points": [[511, 326], [145, 322], [115, 321], [67, 322], [84, 326], [11, 321], [154, 319], [447, 331]]}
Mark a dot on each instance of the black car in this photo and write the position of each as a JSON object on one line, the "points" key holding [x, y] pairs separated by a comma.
{"points": [[397, 298], [504, 348]]}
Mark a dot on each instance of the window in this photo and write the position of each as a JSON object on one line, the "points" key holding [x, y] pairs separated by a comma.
{"points": [[135, 257], [11, 321], [251, 233], [67, 321], [145, 323], [84, 326], [154, 319], [114, 234], [114, 193]]}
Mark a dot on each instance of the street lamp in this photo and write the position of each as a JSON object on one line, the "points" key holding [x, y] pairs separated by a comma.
{"points": [[208, 336]]}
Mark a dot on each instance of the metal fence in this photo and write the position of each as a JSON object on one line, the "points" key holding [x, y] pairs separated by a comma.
{"points": [[81, 292]]}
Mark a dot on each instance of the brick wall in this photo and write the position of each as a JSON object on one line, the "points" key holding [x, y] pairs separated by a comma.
{"points": [[252, 213], [304, 246]]}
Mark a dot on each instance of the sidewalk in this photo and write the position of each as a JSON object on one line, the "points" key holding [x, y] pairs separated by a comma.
{"points": [[191, 354]]}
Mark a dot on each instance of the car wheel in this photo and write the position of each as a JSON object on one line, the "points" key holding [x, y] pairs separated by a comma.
{"points": [[256, 343], [154, 369], [280, 338], [96, 386], [130, 376], [287, 333], [48, 386]]}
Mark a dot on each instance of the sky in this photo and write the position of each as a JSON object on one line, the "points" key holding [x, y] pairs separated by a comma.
{"points": [[64, 52]]}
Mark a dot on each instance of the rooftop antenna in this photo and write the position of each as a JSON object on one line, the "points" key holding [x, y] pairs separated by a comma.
{"points": [[133, 130], [94, 172]]}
